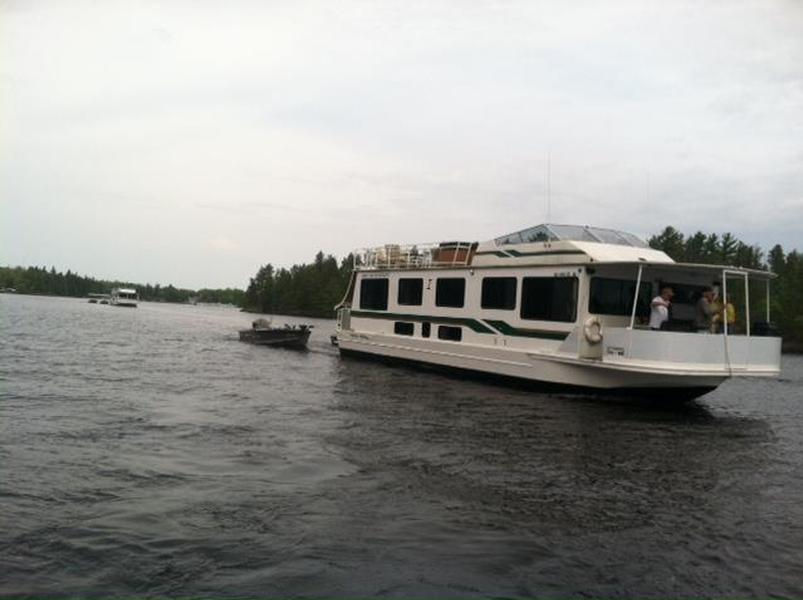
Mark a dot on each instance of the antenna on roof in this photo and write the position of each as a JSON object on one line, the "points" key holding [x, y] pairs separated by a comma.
{"points": [[549, 187]]}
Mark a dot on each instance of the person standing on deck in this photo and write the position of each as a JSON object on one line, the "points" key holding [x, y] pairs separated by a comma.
{"points": [[659, 308], [705, 310]]}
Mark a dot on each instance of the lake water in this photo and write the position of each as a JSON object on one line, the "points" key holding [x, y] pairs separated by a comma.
{"points": [[148, 452]]}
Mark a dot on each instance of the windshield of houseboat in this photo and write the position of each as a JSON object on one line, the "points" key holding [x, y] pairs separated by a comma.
{"points": [[577, 233]]}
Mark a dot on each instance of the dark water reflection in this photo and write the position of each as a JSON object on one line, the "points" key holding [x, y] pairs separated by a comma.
{"points": [[148, 452]]}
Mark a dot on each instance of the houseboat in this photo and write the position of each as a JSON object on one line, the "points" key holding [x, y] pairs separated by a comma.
{"points": [[124, 297], [558, 305]]}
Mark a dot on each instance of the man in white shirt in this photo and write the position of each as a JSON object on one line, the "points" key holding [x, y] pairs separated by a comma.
{"points": [[659, 307]]}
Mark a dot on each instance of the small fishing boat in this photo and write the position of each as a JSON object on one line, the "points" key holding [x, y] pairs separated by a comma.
{"points": [[288, 336], [99, 298]]}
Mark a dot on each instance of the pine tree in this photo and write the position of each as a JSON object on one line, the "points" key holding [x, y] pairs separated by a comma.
{"points": [[670, 240]]}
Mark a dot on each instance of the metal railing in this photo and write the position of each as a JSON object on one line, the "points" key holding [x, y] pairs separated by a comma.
{"points": [[415, 256]]}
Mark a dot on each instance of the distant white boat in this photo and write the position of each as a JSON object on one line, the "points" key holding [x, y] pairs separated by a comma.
{"points": [[124, 297]]}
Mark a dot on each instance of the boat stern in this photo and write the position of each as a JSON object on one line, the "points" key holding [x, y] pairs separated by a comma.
{"points": [[699, 358]]}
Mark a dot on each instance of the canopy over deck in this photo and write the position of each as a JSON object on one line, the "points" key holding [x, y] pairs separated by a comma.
{"points": [[696, 267]]}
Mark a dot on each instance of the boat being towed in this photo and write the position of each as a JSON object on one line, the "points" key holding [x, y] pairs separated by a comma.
{"points": [[263, 334], [563, 305]]}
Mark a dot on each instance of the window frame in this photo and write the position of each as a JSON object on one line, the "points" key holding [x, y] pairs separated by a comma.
{"points": [[485, 292], [367, 282], [440, 293], [420, 291], [445, 328], [405, 324], [525, 306]]}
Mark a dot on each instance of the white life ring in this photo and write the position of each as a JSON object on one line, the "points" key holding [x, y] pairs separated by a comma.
{"points": [[592, 329]]}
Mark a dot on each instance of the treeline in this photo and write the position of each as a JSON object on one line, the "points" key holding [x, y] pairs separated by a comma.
{"points": [[708, 249], [40, 280], [308, 289], [786, 302], [314, 289], [233, 296]]}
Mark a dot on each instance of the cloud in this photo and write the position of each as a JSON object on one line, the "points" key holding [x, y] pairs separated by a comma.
{"points": [[223, 244], [294, 127]]}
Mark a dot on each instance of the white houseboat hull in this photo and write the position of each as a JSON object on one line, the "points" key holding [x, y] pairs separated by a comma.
{"points": [[647, 376]]}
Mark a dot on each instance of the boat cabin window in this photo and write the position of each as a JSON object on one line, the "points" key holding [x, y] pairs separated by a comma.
{"points": [[615, 297], [374, 294], [425, 328], [410, 291], [453, 334], [400, 328], [549, 298], [450, 291], [499, 292]]}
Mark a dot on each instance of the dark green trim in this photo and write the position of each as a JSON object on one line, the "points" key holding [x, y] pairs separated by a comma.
{"points": [[472, 324], [503, 327], [518, 254], [508, 329]]}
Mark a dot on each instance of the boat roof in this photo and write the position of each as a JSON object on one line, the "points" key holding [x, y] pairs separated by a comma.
{"points": [[545, 244], [561, 243], [611, 246]]}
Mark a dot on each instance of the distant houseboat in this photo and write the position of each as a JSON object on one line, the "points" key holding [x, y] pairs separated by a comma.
{"points": [[557, 304], [124, 297]]}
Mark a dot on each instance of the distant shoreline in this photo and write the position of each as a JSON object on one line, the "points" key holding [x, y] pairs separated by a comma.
{"points": [[330, 315], [44, 295]]}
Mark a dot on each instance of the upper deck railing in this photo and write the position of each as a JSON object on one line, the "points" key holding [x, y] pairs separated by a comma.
{"points": [[415, 256]]}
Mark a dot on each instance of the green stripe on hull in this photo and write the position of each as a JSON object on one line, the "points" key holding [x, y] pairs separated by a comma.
{"points": [[472, 324], [518, 254], [501, 326], [507, 329]]}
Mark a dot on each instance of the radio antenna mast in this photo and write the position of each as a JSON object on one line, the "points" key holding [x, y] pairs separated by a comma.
{"points": [[549, 187]]}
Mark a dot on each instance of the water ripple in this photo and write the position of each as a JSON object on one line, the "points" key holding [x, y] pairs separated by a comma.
{"points": [[149, 453]]}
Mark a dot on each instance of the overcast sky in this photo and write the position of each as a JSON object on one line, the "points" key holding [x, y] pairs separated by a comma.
{"points": [[190, 142]]}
